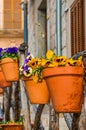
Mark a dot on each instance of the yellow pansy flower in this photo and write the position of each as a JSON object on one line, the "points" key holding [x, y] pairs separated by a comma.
{"points": [[80, 58], [45, 63], [35, 78], [33, 63], [49, 54], [28, 73], [21, 69]]}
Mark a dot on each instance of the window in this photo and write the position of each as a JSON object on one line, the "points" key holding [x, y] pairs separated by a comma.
{"points": [[77, 32], [12, 14]]}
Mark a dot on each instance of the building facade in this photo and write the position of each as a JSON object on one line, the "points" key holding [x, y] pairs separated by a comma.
{"points": [[46, 30], [11, 23]]}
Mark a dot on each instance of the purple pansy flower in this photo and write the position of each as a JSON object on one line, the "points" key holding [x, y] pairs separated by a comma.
{"points": [[1, 50], [26, 61], [26, 70], [12, 50]]}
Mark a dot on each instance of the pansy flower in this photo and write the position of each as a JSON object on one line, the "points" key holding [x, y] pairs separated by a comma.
{"points": [[11, 52], [1, 53], [1, 50], [33, 63], [45, 63], [34, 66], [71, 62], [28, 58], [50, 54], [27, 71]]}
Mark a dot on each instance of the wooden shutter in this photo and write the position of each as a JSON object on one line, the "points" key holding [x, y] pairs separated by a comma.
{"points": [[12, 14], [77, 32], [7, 14], [17, 14]]}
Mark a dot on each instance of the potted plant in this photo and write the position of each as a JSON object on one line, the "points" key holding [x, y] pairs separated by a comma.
{"points": [[64, 77], [11, 125], [9, 63], [37, 91]]}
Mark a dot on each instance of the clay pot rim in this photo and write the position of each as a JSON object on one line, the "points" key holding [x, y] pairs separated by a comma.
{"points": [[7, 60], [27, 78], [63, 70], [11, 124]]}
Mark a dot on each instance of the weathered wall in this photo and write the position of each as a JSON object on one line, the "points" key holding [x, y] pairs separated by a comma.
{"points": [[10, 42], [33, 25], [51, 24]]}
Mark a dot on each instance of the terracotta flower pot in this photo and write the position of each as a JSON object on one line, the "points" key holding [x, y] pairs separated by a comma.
{"points": [[3, 82], [11, 127], [10, 69], [65, 87], [37, 92]]}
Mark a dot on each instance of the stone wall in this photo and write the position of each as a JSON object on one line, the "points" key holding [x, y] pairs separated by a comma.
{"points": [[51, 24], [10, 42], [33, 25], [65, 16]]}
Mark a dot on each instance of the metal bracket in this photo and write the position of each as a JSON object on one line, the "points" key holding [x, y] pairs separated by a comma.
{"points": [[22, 48]]}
